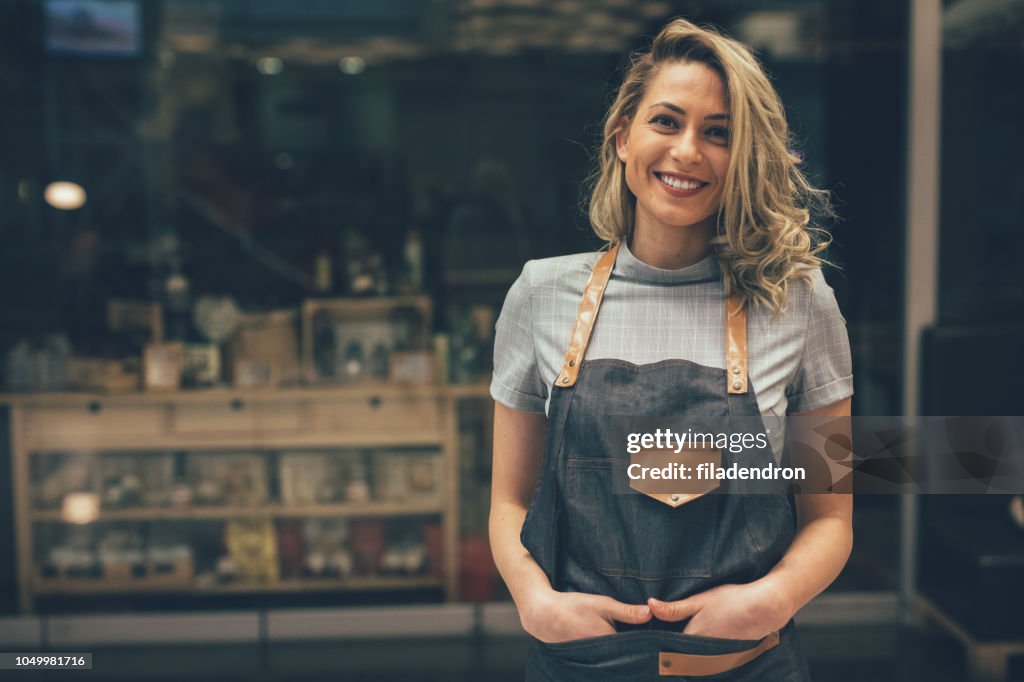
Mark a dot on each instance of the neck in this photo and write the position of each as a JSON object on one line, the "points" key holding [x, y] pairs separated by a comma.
{"points": [[671, 248]]}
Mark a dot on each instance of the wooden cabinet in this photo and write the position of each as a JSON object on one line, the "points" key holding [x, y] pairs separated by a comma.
{"points": [[90, 466]]}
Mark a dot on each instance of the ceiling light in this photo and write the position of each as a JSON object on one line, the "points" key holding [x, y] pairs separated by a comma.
{"points": [[66, 196]]}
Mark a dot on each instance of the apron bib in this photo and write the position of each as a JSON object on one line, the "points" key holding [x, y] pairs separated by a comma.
{"points": [[590, 535]]}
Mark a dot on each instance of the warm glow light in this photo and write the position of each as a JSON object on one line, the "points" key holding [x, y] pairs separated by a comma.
{"points": [[67, 196], [352, 65], [269, 66], [80, 508]]}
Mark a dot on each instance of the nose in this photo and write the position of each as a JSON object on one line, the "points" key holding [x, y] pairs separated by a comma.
{"points": [[687, 150]]}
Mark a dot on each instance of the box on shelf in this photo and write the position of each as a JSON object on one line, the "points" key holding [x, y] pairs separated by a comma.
{"points": [[355, 339], [228, 479], [169, 571], [136, 480], [405, 552], [200, 365], [404, 476], [368, 544], [309, 478], [104, 374], [326, 552], [252, 549], [161, 366], [264, 351], [414, 367]]}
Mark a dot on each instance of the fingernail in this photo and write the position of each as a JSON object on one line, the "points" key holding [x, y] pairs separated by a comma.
{"points": [[644, 611]]}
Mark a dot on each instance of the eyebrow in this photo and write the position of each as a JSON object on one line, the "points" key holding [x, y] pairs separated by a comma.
{"points": [[679, 110]]}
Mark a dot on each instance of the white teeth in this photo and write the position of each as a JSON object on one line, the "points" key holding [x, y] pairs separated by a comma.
{"points": [[676, 183]]}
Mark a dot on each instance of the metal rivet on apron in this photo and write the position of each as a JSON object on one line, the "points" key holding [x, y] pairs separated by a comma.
{"points": [[736, 385], [572, 363], [736, 369], [675, 498], [565, 379], [666, 663]]}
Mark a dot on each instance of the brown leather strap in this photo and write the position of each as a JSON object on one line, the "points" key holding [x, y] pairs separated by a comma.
{"points": [[736, 344], [590, 305], [696, 665], [586, 316]]}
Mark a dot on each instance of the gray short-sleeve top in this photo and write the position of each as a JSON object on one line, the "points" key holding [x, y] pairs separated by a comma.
{"points": [[798, 361]]}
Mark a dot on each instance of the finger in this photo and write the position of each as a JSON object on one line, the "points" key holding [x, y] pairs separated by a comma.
{"points": [[626, 613], [674, 610]]}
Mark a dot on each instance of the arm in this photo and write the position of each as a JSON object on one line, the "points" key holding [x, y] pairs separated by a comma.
{"points": [[546, 614], [817, 555], [824, 537], [518, 454]]}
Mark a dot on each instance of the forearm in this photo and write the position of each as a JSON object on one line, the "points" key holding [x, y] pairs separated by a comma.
{"points": [[814, 559], [517, 567]]}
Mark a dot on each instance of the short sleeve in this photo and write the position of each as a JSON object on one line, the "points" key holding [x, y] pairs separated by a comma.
{"points": [[516, 382], [825, 374]]}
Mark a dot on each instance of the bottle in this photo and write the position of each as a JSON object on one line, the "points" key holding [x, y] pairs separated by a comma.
{"points": [[413, 252], [323, 273], [178, 303]]}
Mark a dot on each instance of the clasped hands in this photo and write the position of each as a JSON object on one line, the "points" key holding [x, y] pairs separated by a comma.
{"points": [[749, 611]]}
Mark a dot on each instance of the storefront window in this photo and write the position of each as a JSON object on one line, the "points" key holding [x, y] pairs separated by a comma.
{"points": [[231, 170]]}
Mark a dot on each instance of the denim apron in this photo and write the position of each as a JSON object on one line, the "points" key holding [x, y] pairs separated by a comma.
{"points": [[587, 536]]}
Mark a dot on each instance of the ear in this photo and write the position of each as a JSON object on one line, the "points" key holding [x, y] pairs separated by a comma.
{"points": [[622, 139]]}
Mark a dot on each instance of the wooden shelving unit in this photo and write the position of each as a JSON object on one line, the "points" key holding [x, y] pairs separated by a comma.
{"points": [[275, 511], [364, 416], [82, 587]]}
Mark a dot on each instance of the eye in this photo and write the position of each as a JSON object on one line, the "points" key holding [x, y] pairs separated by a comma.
{"points": [[663, 121], [719, 132]]}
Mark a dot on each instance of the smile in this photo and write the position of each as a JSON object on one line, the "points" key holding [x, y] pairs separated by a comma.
{"points": [[681, 184]]}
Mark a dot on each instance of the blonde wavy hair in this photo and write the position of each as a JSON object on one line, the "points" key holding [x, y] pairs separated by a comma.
{"points": [[764, 238]]}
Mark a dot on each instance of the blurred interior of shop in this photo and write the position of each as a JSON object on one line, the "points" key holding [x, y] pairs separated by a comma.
{"points": [[251, 257]]}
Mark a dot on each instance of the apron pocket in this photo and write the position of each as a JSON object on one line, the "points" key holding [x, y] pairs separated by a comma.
{"points": [[630, 535]]}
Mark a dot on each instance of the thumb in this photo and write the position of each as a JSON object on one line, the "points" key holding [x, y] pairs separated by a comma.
{"points": [[626, 613], [673, 610]]}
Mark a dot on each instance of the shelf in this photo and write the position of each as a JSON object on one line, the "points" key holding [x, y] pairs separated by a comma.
{"points": [[272, 510], [114, 443], [85, 586], [226, 394]]}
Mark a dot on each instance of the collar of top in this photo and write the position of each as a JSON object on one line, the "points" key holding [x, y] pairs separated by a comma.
{"points": [[629, 266]]}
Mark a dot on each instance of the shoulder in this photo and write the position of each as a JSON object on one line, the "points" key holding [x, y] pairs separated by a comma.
{"points": [[546, 280], [559, 272], [810, 299]]}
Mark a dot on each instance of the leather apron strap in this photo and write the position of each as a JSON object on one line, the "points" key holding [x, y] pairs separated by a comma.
{"points": [[590, 305], [696, 665], [586, 316], [736, 344]]}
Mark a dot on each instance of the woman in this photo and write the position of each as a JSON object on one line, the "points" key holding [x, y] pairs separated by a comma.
{"points": [[710, 288]]}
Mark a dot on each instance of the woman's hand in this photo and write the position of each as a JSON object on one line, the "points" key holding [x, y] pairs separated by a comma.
{"points": [[554, 617], [749, 611]]}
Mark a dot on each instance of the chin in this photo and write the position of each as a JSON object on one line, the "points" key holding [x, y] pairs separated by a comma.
{"points": [[683, 222]]}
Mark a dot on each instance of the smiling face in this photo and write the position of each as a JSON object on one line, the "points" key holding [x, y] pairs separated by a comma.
{"points": [[676, 150]]}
